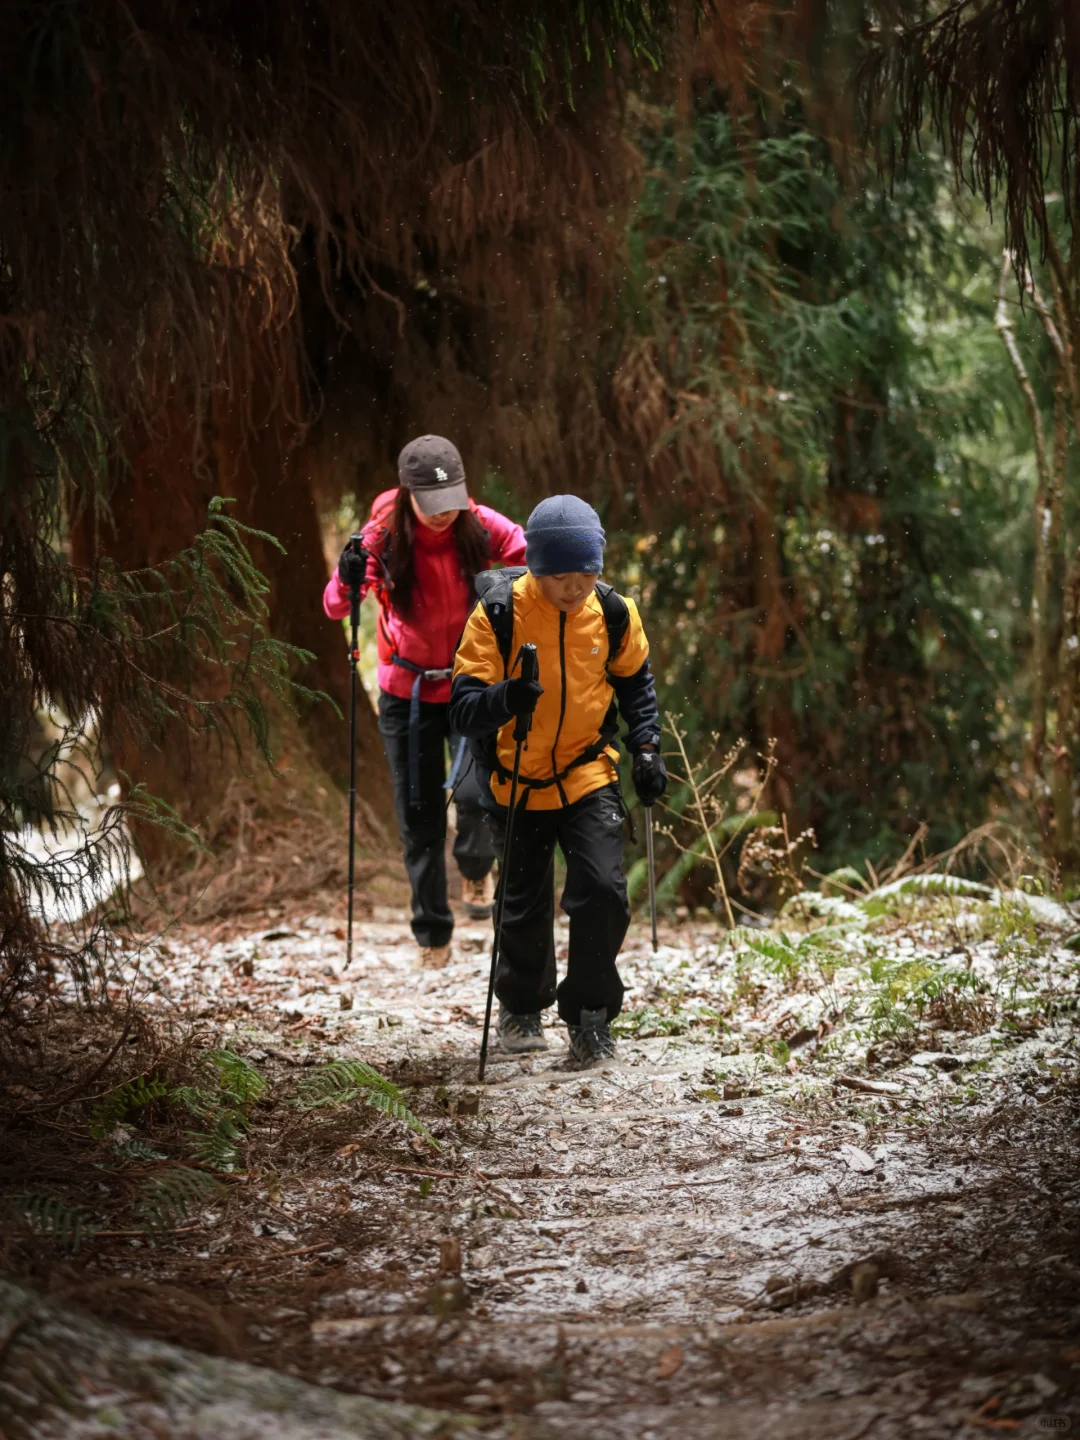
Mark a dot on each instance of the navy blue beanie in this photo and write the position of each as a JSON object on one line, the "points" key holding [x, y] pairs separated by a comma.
{"points": [[564, 537]]}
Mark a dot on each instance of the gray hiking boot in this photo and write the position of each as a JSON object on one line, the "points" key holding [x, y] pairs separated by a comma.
{"points": [[519, 1034], [591, 1041]]}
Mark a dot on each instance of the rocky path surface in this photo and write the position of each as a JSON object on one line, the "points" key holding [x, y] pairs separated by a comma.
{"points": [[773, 1215]]}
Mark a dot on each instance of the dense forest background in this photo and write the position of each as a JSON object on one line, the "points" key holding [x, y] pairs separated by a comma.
{"points": [[788, 398], [744, 291]]}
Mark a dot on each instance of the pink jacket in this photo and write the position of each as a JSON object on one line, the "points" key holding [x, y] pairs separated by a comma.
{"points": [[442, 598]]}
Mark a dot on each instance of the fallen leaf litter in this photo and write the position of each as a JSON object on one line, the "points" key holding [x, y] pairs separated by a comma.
{"points": [[610, 1253]]}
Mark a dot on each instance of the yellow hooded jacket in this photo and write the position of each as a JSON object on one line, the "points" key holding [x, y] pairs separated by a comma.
{"points": [[572, 652]]}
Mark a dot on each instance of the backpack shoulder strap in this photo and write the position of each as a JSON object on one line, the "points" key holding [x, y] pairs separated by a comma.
{"points": [[495, 591], [379, 542], [616, 617]]}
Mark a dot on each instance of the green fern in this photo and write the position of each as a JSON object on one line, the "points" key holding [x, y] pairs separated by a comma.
{"points": [[227, 1086], [790, 957], [137, 1150], [236, 1077], [197, 1100], [217, 1145], [343, 1081], [45, 1215], [167, 1199], [125, 1102]]}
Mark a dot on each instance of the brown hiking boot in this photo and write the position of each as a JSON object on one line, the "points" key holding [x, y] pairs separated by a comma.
{"points": [[519, 1034], [478, 896], [433, 957]]}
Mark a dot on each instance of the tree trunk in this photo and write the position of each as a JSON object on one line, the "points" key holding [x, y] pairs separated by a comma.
{"points": [[67, 1375], [770, 643], [274, 494], [1063, 774], [1062, 277], [1047, 512], [157, 508], [683, 44]]}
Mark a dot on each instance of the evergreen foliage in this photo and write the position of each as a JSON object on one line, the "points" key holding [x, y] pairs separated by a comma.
{"points": [[184, 643], [823, 527], [996, 81]]}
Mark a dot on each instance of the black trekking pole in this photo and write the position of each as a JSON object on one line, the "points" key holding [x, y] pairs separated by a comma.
{"points": [[651, 862], [529, 671], [357, 568]]}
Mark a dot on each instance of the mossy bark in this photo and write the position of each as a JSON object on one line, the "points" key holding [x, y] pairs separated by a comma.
{"points": [[65, 1375]]}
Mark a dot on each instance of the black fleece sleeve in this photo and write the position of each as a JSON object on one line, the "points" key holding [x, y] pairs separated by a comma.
{"points": [[477, 708], [636, 696]]}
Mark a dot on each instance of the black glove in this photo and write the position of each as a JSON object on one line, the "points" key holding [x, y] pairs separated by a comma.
{"points": [[650, 776], [520, 696], [352, 567]]}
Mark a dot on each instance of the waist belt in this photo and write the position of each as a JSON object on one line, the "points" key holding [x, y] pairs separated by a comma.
{"points": [[592, 752], [414, 718]]}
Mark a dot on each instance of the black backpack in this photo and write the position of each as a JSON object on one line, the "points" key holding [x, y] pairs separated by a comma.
{"points": [[495, 590]]}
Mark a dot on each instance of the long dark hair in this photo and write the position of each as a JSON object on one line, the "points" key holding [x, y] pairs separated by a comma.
{"points": [[471, 540]]}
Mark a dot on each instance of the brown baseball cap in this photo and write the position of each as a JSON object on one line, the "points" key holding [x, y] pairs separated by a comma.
{"points": [[431, 468]]}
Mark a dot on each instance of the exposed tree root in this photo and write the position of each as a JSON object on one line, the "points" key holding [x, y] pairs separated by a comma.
{"points": [[63, 1374]]}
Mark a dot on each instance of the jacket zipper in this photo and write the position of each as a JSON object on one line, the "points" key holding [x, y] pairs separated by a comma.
{"points": [[562, 698]]}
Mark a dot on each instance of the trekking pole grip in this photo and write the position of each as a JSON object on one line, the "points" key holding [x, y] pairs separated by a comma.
{"points": [[356, 544], [530, 670]]}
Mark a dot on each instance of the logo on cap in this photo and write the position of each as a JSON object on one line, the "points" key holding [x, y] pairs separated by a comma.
{"points": [[441, 475]]}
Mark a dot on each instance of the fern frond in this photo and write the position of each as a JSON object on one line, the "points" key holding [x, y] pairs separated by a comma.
{"points": [[339, 1082], [167, 1199], [227, 1086], [217, 1146], [396, 1108], [125, 1101], [236, 1077], [137, 1150], [196, 1100], [343, 1081], [46, 1215]]}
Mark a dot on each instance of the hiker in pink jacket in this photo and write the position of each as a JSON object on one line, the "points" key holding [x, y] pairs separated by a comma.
{"points": [[425, 542]]}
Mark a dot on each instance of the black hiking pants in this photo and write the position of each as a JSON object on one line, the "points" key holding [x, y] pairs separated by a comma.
{"points": [[590, 835], [423, 826]]}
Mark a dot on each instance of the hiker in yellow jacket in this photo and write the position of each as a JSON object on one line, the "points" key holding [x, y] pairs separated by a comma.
{"points": [[593, 667]]}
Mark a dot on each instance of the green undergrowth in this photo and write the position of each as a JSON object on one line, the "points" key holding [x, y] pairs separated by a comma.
{"points": [[648, 1021], [892, 969], [171, 1148], [343, 1081]]}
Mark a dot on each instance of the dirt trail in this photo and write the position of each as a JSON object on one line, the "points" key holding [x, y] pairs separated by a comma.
{"points": [[711, 1237], [829, 1188]]}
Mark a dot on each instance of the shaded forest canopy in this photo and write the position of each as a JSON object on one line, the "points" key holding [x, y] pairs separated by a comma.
{"points": [[640, 251]]}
